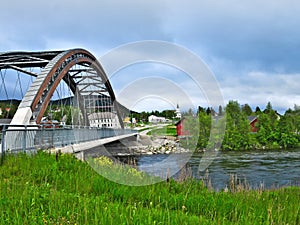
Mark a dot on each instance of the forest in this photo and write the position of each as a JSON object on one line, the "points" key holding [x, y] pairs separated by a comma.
{"points": [[272, 130]]}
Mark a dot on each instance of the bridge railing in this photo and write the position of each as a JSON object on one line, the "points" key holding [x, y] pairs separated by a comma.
{"points": [[33, 137]]}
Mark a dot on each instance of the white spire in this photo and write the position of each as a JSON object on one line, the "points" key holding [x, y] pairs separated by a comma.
{"points": [[178, 113]]}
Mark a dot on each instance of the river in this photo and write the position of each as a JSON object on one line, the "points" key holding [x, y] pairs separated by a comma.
{"points": [[267, 169]]}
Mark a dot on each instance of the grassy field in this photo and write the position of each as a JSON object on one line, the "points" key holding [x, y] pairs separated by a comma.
{"points": [[164, 131], [44, 189]]}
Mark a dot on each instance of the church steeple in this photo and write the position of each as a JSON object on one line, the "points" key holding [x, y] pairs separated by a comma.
{"points": [[178, 113]]}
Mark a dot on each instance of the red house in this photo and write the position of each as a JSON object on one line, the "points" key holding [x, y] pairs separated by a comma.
{"points": [[181, 132], [252, 121]]}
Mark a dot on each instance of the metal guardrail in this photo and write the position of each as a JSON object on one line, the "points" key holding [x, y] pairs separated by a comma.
{"points": [[32, 137]]}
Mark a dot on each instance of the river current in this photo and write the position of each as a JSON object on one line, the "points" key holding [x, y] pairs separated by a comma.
{"points": [[267, 169]]}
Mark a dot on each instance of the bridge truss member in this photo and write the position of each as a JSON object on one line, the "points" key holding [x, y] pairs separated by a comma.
{"points": [[88, 91]]}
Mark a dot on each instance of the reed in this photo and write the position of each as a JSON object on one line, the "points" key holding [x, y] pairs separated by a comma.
{"points": [[49, 189]]}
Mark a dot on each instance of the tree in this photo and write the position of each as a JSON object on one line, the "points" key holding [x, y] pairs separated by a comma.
{"points": [[204, 128], [200, 109], [208, 111], [272, 116], [264, 130], [220, 110], [188, 113], [237, 133], [246, 109], [257, 110], [267, 125], [170, 114], [269, 108], [288, 138], [294, 119]]}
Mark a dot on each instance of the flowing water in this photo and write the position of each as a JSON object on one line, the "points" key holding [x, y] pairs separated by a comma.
{"points": [[270, 169]]}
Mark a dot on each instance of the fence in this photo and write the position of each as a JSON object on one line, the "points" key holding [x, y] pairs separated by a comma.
{"points": [[33, 137]]}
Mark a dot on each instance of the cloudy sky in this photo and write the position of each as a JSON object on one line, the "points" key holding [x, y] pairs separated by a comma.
{"points": [[251, 47]]}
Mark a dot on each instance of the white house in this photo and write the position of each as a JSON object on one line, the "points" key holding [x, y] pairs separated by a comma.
{"points": [[156, 119], [104, 120]]}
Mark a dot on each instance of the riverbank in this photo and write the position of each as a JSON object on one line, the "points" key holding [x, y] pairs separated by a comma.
{"points": [[45, 189], [155, 140], [149, 145]]}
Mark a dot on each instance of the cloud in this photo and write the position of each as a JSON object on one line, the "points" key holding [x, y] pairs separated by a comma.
{"points": [[169, 54], [251, 46], [92, 23], [257, 89], [260, 32], [254, 88], [142, 84]]}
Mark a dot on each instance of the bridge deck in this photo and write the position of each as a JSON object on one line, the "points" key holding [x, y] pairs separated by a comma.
{"points": [[27, 138], [92, 144]]}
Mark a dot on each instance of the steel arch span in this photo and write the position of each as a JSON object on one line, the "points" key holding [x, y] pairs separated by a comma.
{"points": [[80, 70]]}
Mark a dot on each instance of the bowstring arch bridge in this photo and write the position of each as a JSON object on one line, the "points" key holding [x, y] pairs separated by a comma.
{"points": [[70, 83], [76, 71]]}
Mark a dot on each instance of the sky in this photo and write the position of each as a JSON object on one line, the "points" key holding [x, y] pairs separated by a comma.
{"points": [[251, 47]]}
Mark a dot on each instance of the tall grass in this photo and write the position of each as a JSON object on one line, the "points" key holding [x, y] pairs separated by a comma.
{"points": [[43, 189]]}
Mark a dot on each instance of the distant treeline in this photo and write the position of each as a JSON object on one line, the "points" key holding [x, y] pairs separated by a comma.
{"points": [[143, 116]]}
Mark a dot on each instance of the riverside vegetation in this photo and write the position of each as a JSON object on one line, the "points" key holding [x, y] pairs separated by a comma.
{"points": [[48, 189], [273, 130]]}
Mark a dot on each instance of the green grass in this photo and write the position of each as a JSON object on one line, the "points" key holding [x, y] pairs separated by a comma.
{"points": [[143, 129], [40, 190], [164, 131]]}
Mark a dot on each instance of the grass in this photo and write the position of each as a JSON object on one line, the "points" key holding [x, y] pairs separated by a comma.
{"points": [[164, 131], [43, 189], [143, 129]]}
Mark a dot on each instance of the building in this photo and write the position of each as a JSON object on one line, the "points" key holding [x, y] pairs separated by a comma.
{"points": [[180, 129], [177, 112], [156, 119], [104, 120], [127, 121], [252, 121]]}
